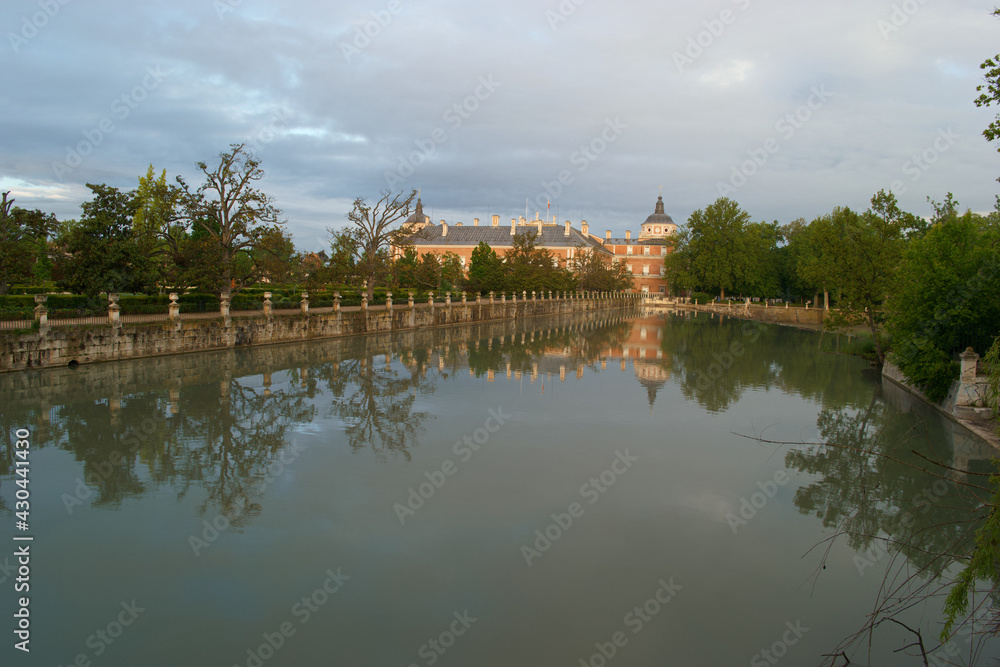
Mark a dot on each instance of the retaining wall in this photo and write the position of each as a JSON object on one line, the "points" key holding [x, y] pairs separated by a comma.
{"points": [[60, 346]]}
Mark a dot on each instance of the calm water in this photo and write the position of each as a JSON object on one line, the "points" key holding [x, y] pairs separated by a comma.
{"points": [[546, 492]]}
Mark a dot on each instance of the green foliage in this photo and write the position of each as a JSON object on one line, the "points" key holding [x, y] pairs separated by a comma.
{"points": [[530, 268], [945, 288], [100, 253], [702, 298], [596, 272], [22, 243], [486, 270]]}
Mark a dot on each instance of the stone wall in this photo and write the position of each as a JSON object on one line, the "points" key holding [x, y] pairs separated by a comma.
{"points": [[61, 346], [812, 317]]}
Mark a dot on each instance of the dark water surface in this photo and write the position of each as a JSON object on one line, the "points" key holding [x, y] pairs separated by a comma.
{"points": [[544, 492]]}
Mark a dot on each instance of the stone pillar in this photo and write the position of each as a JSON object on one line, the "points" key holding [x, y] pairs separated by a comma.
{"points": [[533, 295], [114, 311], [503, 297], [174, 309], [969, 365], [409, 301], [336, 302], [447, 299], [463, 298], [364, 302], [550, 295], [524, 295], [479, 298], [224, 305], [304, 303], [268, 313], [388, 300], [430, 300], [491, 298], [41, 312]]}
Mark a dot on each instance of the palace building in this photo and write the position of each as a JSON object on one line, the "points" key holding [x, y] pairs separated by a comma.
{"points": [[644, 255]]}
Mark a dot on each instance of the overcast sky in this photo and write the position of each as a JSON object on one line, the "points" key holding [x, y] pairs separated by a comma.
{"points": [[790, 108]]}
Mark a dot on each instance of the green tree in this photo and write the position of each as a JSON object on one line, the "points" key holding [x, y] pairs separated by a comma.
{"points": [[452, 272], [100, 252], [867, 260], [428, 275], [234, 214], [155, 225], [945, 290], [716, 253], [275, 257], [342, 267], [405, 268], [486, 270], [595, 271], [22, 241], [531, 268]]}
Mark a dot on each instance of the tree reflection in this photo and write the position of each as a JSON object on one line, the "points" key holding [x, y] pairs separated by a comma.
{"points": [[887, 485], [715, 360]]}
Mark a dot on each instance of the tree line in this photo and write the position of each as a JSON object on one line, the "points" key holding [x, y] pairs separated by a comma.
{"points": [[227, 234]]}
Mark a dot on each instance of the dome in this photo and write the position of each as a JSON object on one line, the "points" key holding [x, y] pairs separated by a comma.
{"points": [[418, 219], [659, 217]]}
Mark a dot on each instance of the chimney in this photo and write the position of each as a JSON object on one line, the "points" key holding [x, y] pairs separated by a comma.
{"points": [[567, 229], [554, 221], [475, 222], [513, 226], [496, 220], [628, 234], [522, 220], [444, 228], [584, 227], [536, 216], [607, 234], [539, 226]]}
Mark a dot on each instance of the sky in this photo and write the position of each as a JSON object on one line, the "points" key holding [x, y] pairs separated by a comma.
{"points": [[582, 109]]}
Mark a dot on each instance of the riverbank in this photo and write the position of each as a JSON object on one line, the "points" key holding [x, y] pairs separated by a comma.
{"points": [[62, 346], [963, 405]]}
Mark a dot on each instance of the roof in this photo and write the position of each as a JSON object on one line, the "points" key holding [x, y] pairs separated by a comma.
{"points": [[659, 217], [552, 236], [637, 241]]}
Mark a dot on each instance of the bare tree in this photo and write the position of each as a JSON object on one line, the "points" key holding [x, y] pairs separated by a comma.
{"points": [[233, 213], [374, 228]]}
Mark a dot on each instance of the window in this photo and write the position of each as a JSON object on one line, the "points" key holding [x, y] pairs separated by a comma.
{"points": [[630, 269], [628, 250], [657, 230], [645, 270], [645, 251]]}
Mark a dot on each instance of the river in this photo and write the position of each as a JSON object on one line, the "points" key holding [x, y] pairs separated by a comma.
{"points": [[591, 490]]}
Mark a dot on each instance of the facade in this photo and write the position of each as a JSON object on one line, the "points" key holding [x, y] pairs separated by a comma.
{"points": [[644, 255]]}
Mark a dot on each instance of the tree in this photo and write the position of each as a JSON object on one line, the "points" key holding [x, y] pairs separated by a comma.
{"points": [[530, 268], [22, 241], [990, 92], [376, 235], [486, 270], [715, 252], [342, 268], [867, 259], [594, 271], [452, 272], [235, 215], [100, 253], [944, 292], [275, 256], [155, 224]]}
